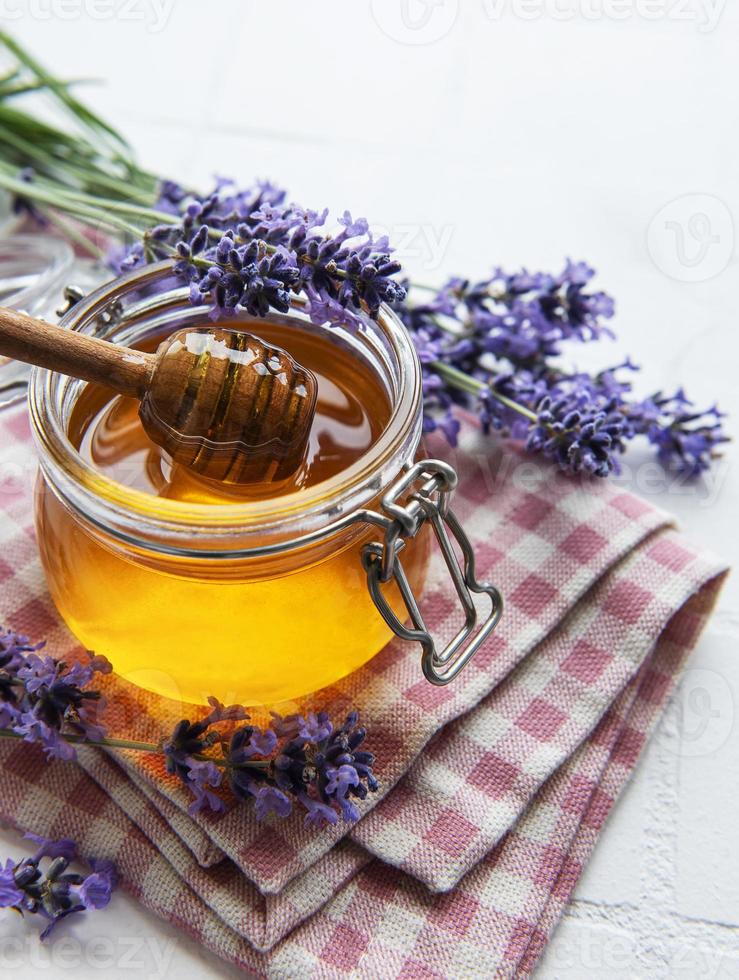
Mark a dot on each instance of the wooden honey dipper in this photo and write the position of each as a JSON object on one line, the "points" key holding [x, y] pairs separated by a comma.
{"points": [[220, 401]]}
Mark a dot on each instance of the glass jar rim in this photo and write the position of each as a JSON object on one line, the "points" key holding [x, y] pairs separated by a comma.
{"points": [[168, 525]]}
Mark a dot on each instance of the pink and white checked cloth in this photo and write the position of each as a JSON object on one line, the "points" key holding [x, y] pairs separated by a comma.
{"points": [[462, 865]]}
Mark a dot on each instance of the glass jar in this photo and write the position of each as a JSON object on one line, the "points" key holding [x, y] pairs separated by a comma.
{"points": [[33, 269], [274, 598]]}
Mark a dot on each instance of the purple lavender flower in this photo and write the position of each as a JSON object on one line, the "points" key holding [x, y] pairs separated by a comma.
{"points": [[126, 258], [500, 336], [339, 783], [191, 740], [316, 728], [262, 744], [58, 696], [578, 436], [9, 715], [518, 388], [323, 768], [248, 744], [170, 197], [261, 249], [522, 317], [52, 848], [238, 277], [202, 778], [10, 895], [579, 314], [353, 275], [326, 309], [13, 645], [245, 746], [96, 890], [53, 743], [327, 775], [269, 799], [42, 699], [38, 672], [56, 892], [298, 757], [340, 780], [13, 650], [687, 440], [446, 423], [318, 814]]}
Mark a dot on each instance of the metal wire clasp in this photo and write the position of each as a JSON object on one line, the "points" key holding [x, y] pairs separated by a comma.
{"points": [[423, 495]]}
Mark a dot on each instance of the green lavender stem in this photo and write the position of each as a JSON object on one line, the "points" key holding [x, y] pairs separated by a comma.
{"points": [[55, 199], [110, 743], [79, 111], [73, 235], [465, 382], [128, 744]]}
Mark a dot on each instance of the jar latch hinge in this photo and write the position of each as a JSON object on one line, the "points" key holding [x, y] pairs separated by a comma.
{"points": [[422, 496]]}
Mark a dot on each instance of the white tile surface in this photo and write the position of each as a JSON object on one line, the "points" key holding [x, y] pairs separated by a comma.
{"points": [[500, 138]]}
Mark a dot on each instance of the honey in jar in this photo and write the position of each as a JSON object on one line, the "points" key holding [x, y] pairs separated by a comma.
{"points": [[268, 614]]}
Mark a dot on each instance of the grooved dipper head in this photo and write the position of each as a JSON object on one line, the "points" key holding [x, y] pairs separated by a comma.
{"points": [[229, 406]]}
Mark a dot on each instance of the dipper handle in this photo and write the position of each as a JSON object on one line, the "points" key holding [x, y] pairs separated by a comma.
{"points": [[36, 342]]}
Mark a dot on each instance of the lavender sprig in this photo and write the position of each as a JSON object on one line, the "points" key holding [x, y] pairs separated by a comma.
{"points": [[489, 345], [54, 892], [303, 760], [43, 700], [247, 250], [492, 347], [295, 759], [686, 439]]}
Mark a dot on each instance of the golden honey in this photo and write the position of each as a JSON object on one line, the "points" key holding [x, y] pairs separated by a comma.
{"points": [[255, 630]]}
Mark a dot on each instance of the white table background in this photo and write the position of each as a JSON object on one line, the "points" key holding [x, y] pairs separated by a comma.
{"points": [[511, 131]]}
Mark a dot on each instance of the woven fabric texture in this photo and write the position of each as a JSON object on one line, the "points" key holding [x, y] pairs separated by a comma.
{"points": [[494, 789]]}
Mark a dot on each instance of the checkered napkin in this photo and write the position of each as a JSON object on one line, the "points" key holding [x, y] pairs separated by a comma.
{"points": [[494, 789]]}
